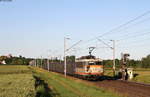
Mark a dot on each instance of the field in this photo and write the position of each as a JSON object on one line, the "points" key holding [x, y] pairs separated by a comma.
{"points": [[23, 81], [142, 75], [14, 69], [16, 81]]}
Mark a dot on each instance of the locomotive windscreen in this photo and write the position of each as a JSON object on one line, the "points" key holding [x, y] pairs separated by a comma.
{"points": [[95, 63], [99, 63]]}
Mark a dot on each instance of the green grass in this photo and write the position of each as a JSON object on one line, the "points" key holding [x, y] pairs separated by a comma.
{"points": [[14, 82], [13, 69], [108, 72], [143, 75], [70, 87]]}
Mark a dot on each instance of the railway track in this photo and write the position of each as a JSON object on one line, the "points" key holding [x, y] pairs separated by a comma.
{"points": [[138, 83], [126, 88]]}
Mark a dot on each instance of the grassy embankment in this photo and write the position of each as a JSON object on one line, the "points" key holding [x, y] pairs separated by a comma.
{"points": [[16, 81], [142, 74], [70, 87]]}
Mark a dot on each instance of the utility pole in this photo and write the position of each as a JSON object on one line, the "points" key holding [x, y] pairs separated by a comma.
{"points": [[41, 62], [114, 50], [60, 59], [114, 64], [65, 56], [35, 62], [47, 64], [65, 50]]}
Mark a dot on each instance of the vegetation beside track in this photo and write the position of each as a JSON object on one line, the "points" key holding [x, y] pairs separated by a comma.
{"points": [[69, 87], [141, 74]]}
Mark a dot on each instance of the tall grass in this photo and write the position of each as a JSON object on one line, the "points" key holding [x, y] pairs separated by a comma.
{"points": [[142, 76], [16, 81], [13, 69]]}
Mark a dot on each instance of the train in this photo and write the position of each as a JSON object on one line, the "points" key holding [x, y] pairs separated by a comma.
{"points": [[89, 67], [86, 67]]}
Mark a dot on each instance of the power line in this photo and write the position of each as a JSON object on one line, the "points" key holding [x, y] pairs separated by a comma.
{"points": [[134, 36], [136, 45], [120, 26], [139, 41], [128, 34], [104, 43], [142, 21], [73, 45], [132, 20]]}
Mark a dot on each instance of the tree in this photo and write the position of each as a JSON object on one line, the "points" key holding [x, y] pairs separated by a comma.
{"points": [[146, 62], [16, 60], [70, 58]]}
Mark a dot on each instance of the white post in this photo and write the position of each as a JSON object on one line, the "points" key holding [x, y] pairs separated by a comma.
{"points": [[60, 58], [65, 56], [114, 65], [47, 64], [65, 50], [41, 62], [35, 63]]}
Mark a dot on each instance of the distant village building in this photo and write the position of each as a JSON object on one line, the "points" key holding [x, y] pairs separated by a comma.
{"points": [[2, 62], [4, 57]]}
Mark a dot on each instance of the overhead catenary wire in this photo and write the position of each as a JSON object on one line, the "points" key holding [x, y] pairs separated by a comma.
{"points": [[127, 34], [137, 23], [134, 36], [134, 45], [130, 21], [120, 26], [73, 45], [104, 43], [124, 25], [136, 41]]}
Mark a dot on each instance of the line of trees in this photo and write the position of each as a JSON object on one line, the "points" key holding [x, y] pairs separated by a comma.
{"points": [[143, 63], [14, 60]]}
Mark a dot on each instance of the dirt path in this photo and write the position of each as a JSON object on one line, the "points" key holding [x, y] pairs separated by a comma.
{"points": [[128, 89]]}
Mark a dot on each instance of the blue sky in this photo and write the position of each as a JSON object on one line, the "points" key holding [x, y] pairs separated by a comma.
{"points": [[37, 28]]}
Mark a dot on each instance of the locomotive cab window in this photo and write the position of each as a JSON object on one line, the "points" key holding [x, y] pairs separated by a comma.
{"points": [[99, 63], [95, 63], [92, 63]]}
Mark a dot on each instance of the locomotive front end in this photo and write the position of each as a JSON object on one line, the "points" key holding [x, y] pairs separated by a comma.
{"points": [[94, 68], [91, 68]]}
